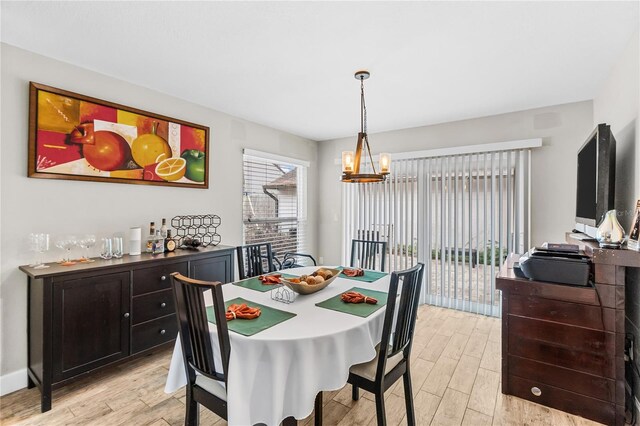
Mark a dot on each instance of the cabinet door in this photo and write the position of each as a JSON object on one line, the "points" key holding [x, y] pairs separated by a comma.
{"points": [[217, 268], [91, 323]]}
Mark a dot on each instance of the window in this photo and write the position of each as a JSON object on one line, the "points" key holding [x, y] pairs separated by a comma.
{"points": [[274, 201]]}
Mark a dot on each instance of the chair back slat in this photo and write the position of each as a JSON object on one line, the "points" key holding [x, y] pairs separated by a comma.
{"points": [[399, 338], [193, 327], [368, 254], [254, 260]]}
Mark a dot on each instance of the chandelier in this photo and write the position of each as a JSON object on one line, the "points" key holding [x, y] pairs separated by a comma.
{"points": [[350, 161]]}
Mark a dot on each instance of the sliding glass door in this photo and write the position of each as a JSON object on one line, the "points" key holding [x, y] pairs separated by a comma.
{"points": [[459, 214]]}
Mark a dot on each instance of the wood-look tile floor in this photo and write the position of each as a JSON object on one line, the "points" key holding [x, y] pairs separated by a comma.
{"points": [[455, 373]]}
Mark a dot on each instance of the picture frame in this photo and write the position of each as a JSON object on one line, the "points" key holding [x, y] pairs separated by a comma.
{"points": [[633, 242], [78, 137]]}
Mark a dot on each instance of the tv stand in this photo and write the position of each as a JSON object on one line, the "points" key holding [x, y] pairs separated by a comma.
{"points": [[563, 346]]}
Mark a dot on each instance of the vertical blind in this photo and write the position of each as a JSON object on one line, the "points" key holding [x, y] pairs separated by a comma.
{"points": [[274, 203], [460, 215]]}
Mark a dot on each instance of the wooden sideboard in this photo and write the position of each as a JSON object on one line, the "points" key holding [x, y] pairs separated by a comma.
{"points": [[563, 346], [90, 315]]}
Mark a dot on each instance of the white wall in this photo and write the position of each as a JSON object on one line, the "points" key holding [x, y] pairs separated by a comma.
{"points": [[62, 207], [617, 104], [553, 176]]}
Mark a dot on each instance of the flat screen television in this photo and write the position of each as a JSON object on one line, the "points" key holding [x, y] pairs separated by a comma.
{"points": [[596, 176]]}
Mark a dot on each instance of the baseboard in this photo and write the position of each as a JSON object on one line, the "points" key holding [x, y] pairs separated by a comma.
{"points": [[13, 381]]}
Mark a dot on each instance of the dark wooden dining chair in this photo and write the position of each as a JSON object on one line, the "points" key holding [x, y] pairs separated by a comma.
{"points": [[206, 385], [394, 350], [368, 254], [254, 260], [206, 381]]}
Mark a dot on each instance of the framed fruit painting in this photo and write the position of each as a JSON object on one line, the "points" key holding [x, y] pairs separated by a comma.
{"points": [[77, 137]]}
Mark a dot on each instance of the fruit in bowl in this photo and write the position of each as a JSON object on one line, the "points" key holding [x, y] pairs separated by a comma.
{"points": [[308, 284]]}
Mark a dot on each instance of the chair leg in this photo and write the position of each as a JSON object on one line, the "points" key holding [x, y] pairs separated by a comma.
{"points": [[192, 417], [408, 398], [355, 392], [380, 414]]}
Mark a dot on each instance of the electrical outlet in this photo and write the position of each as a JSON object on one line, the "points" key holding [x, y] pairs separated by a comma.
{"points": [[321, 260]]}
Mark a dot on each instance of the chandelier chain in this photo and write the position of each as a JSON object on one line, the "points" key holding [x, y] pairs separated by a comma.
{"points": [[363, 112]]}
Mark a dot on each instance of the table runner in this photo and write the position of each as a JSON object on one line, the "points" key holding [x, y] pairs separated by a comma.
{"points": [[267, 319], [360, 309]]}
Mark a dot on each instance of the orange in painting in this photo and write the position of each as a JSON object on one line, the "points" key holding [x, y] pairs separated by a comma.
{"points": [[144, 124], [57, 113]]}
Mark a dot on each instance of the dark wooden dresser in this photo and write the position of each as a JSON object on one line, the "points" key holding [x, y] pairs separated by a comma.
{"points": [[563, 346], [91, 315]]}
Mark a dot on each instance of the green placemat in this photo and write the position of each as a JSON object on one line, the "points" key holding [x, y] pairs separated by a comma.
{"points": [[255, 284], [368, 277], [360, 309], [268, 318]]}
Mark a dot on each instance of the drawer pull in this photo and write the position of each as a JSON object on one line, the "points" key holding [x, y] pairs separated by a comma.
{"points": [[163, 278], [536, 391], [163, 305], [163, 331], [126, 315]]}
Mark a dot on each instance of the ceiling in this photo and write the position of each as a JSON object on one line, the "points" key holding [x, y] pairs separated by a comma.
{"points": [[290, 65]]}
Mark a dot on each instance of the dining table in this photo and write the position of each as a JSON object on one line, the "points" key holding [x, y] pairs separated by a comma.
{"points": [[276, 373]]}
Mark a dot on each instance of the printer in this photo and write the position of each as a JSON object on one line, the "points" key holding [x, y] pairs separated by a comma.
{"points": [[554, 264]]}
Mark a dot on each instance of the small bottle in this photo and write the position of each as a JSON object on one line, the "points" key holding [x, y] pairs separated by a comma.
{"points": [[169, 243], [158, 243], [163, 228], [150, 238]]}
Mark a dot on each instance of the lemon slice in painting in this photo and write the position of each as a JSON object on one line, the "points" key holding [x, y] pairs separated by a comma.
{"points": [[161, 157], [171, 169]]}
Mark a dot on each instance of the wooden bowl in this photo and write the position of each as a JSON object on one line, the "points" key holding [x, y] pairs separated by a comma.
{"points": [[304, 288]]}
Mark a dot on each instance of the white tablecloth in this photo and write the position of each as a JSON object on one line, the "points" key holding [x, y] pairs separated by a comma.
{"points": [[277, 372]]}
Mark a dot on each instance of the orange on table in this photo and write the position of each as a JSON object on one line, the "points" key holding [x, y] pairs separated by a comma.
{"points": [[171, 169]]}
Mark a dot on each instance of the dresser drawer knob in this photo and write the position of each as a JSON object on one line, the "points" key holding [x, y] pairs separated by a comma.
{"points": [[126, 315], [536, 391], [163, 305], [163, 278], [163, 331]]}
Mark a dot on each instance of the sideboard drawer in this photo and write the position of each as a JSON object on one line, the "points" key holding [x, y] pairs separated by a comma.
{"points": [[564, 378], [156, 278], [153, 333], [582, 349], [153, 305], [561, 399]]}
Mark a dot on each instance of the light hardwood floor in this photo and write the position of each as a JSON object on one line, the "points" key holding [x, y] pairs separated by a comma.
{"points": [[455, 372]]}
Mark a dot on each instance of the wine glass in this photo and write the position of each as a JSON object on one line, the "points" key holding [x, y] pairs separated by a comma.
{"points": [[118, 246], [106, 249], [42, 247], [67, 243], [86, 243]]}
